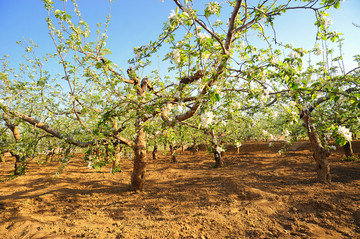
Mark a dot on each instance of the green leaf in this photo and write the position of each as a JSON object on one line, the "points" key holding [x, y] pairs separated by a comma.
{"points": [[98, 65], [295, 86], [217, 96]]}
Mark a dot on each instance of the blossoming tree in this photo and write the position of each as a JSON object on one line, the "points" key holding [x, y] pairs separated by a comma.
{"points": [[106, 106]]}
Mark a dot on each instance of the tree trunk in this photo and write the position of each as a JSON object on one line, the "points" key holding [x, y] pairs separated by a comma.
{"points": [[320, 154], [349, 153], [19, 168], [218, 159], [173, 153], [217, 154], [117, 157], [154, 151], [165, 149], [139, 170], [195, 149]]}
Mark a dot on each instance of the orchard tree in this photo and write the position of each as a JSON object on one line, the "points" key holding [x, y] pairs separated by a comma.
{"points": [[327, 100], [203, 45]]}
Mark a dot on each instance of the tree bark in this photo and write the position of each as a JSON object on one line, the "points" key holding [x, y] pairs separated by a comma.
{"points": [[195, 149], [117, 157], [154, 151], [320, 154], [139, 170], [19, 167], [173, 153], [218, 159], [348, 150]]}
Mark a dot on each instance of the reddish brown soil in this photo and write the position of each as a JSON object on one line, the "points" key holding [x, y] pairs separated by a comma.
{"points": [[258, 194]]}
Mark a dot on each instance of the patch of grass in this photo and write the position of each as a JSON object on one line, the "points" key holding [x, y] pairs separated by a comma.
{"points": [[350, 159]]}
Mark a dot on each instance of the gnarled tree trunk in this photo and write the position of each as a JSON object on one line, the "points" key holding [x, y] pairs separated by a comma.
{"points": [[348, 150], [139, 170], [218, 159], [19, 167], [320, 154]]}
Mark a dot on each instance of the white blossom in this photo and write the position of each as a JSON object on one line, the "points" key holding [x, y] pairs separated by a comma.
{"points": [[265, 132], [271, 144], [327, 135], [274, 114], [172, 14], [176, 56], [332, 147], [218, 21], [280, 151], [242, 44], [318, 51], [90, 165], [238, 145], [294, 54], [202, 35], [207, 119], [344, 132], [219, 149], [261, 58], [161, 0], [274, 60], [327, 22], [286, 133], [213, 7]]}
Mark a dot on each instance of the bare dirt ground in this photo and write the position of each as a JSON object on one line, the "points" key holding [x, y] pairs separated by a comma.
{"points": [[258, 194]]}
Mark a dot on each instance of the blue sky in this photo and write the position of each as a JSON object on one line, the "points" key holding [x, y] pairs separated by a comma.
{"points": [[136, 22]]}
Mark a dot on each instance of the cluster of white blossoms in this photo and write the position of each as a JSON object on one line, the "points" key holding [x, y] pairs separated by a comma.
{"points": [[207, 119], [318, 51], [261, 58], [90, 165], [327, 22], [213, 7], [286, 133], [345, 132], [266, 134], [242, 45], [219, 149], [332, 147], [202, 35], [176, 56], [294, 54], [172, 14], [274, 60], [238, 145]]}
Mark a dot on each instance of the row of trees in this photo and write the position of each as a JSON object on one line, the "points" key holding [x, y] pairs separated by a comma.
{"points": [[220, 85]]}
